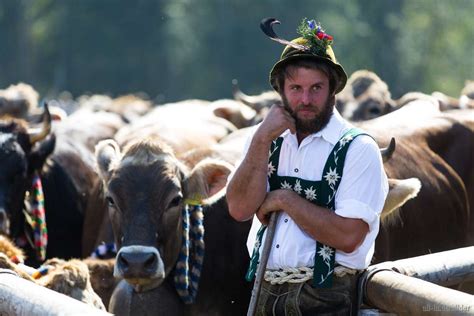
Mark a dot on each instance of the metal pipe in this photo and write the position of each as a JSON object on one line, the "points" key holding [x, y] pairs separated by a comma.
{"points": [[21, 297], [445, 268], [404, 295]]}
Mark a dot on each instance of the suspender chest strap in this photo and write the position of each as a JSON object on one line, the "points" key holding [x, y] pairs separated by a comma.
{"points": [[321, 193]]}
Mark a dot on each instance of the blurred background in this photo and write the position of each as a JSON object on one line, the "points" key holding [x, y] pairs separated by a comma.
{"points": [[172, 50]]}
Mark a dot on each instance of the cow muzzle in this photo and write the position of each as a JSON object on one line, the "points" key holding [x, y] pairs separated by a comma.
{"points": [[141, 266]]}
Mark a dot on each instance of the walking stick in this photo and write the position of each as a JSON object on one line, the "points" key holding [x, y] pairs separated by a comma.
{"points": [[263, 263]]}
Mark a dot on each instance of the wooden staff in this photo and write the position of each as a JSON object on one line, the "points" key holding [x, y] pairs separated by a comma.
{"points": [[263, 263]]}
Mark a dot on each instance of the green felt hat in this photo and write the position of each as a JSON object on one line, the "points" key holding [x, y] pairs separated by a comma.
{"points": [[314, 44]]}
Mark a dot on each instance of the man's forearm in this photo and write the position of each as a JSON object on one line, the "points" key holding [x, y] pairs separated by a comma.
{"points": [[319, 222], [247, 189]]}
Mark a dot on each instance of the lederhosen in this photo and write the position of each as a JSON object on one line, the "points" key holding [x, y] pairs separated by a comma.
{"points": [[321, 193]]}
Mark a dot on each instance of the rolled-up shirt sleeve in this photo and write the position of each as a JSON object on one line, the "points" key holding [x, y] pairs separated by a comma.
{"points": [[364, 186]]}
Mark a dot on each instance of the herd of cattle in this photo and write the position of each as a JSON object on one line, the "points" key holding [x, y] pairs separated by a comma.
{"points": [[121, 171]]}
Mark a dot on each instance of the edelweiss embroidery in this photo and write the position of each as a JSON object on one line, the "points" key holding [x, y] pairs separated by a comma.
{"points": [[345, 140], [271, 169], [332, 177], [310, 193], [325, 252], [297, 187], [286, 185]]}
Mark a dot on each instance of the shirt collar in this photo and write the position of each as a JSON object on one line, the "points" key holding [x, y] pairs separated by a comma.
{"points": [[331, 132]]}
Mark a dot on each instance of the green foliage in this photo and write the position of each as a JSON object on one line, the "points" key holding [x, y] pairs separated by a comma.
{"points": [[178, 49]]}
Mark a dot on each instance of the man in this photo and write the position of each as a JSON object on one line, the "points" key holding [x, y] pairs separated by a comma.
{"points": [[324, 177]]}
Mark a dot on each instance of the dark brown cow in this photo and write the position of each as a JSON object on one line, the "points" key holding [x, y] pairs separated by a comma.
{"points": [[71, 187], [147, 192], [438, 149]]}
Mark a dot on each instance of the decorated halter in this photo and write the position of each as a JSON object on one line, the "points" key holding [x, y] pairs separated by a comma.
{"points": [[189, 265], [36, 218]]}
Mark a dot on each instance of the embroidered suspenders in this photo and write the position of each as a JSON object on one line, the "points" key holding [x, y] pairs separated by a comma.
{"points": [[321, 193]]}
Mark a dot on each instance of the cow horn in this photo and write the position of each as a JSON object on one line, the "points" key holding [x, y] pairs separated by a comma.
{"points": [[239, 95], [38, 134], [387, 152], [267, 27]]}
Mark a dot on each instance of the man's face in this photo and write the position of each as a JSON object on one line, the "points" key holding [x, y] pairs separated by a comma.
{"points": [[306, 96]]}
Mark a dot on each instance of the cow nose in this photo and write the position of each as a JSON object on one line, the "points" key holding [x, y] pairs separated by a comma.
{"points": [[139, 262]]}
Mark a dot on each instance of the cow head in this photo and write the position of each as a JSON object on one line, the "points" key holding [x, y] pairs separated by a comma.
{"points": [[23, 151], [147, 189], [365, 97]]}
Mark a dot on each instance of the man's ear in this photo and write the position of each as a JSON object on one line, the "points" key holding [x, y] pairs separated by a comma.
{"points": [[107, 153], [207, 181], [400, 191]]}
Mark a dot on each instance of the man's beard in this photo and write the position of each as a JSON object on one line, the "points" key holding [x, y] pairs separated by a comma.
{"points": [[316, 124]]}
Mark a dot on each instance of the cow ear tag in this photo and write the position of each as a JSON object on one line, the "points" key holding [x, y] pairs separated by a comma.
{"points": [[195, 199]]}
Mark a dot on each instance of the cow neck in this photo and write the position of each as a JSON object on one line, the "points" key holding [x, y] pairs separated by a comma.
{"points": [[190, 260], [321, 193], [35, 218]]}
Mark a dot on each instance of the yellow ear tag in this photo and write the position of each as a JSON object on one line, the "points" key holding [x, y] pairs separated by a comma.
{"points": [[194, 200]]}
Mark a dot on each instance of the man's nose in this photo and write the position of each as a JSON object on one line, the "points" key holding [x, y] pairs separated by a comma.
{"points": [[305, 98]]}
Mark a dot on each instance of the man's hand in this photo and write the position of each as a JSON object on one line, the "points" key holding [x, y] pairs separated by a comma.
{"points": [[276, 122], [273, 203]]}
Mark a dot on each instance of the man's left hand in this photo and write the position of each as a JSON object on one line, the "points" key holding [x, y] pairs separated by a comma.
{"points": [[273, 203]]}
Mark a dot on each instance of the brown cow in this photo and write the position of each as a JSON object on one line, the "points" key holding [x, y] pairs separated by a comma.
{"points": [[437, 148], [183, 125], [365, 96], [71, 277], [148, 189]]}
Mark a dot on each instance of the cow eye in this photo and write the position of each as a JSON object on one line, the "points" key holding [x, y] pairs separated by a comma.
{"points": [[110, 201], [374, 111], [176, 201]]}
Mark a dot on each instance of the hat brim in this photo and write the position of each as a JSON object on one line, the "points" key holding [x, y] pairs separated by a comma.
{"points": [[284, 62]]}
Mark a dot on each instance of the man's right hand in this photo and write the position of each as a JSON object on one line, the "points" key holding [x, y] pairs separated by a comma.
{"points": [[276, 122]]}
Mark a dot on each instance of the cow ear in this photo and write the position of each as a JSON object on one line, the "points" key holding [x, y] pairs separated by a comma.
{"points": [[40, 152], [400, 191], [235, 112], [107, 153], [207, 181]]}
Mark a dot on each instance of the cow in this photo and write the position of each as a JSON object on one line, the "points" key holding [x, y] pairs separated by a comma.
{"points": [[128, 107], [71, 278], [147, 190], [197, 126], [437, 148], [18, 100], [70, 185], [365, 96]]}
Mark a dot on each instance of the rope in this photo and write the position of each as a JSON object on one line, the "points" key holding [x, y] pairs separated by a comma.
{"points": [[301, 274], [104, 251], [39, 219], [191, 257]]}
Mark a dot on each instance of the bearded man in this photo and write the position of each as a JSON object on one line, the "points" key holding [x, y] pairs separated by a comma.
{"points": [[323, 176]]}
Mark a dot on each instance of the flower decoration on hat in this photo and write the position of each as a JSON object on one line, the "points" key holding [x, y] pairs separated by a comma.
{"points": [[317, 39]]}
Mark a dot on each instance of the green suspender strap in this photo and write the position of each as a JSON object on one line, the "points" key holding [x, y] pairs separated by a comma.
{"points": [[321, 193]]}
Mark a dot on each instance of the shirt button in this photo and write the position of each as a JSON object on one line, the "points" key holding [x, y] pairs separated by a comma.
{"points": [[286, 220], [296, 170], [278, 246]]}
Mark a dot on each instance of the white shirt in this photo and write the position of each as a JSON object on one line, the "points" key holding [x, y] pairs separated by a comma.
{"points": [[361, 194]]}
